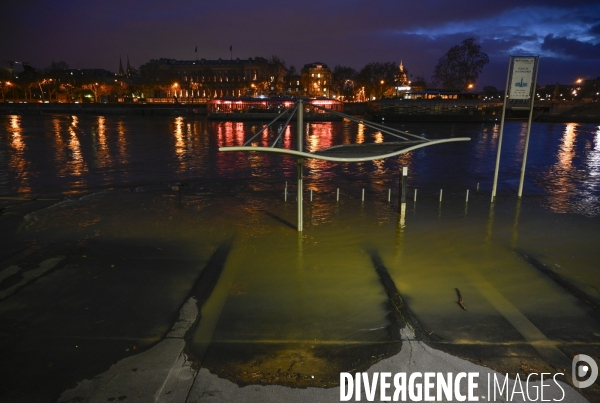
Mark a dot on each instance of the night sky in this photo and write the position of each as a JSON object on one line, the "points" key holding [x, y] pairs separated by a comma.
{"points": [[93, 34]]}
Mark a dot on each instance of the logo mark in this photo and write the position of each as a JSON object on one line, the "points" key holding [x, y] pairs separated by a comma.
{"points": [[584, 365], [521, 83]]}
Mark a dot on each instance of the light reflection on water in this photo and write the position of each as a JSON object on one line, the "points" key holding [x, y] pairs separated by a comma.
{"points": [[17, 162], [323, 288]]}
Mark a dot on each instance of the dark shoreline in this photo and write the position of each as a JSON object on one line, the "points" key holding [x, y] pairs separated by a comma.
{"points": [[200, 110], [103, 109]]}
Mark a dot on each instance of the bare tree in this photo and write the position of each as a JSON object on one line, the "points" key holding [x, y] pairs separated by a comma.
{"points": [[276, 74], [69, 90], [460, 67], [377, 78], [343, 81]]}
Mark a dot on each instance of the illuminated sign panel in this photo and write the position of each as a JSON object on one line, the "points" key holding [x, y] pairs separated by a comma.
{"points": [[522, 77]]}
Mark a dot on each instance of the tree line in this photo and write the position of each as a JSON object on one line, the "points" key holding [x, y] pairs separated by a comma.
{"points": [[457, 70]]}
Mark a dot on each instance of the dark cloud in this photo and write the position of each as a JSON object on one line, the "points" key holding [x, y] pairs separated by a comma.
{"points": [[561, 45], [345, 32], [595, 30]]}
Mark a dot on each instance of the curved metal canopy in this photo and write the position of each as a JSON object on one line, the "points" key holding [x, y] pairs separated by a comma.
{"points": [[352, 152]]}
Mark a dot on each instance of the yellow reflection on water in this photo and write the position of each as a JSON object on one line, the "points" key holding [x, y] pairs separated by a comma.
{"points": [[180, 143], [360, 136], [76, 165], [378, 137], [319, 136], [559, 179], [101, 150], [17, 161], [122, 142], [16, 133], [59, 148]]}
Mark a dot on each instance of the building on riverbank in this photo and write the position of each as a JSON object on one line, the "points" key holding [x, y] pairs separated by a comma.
{"points": [[189, 80]]}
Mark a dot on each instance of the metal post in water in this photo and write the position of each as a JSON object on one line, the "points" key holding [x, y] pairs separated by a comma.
{"points": [[338, 195], [467, 199], [441, 190], [363, 194], [403, 195], [537, 65], [285, 192], [311, 195], [477, 190], [300, 196], [415, 196], [389, 195], [403, 181], [300, 128], [501, 131]]}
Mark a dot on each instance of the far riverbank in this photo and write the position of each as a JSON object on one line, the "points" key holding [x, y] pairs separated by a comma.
{"points": [[559, 112]]}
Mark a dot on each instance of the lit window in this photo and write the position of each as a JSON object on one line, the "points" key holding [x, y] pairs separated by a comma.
{"points": [[297, 82], [319, 75], [312, 75]]}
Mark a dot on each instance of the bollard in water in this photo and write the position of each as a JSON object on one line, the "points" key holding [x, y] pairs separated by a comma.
{"points": [[389, 195], [403, 181], [363, 194], [467, 199], [338, 195], [415, 195], [441, 194], [311, 195]]}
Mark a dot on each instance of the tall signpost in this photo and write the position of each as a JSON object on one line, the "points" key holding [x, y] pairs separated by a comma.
{"points": [[300, 133], [522, 76]]}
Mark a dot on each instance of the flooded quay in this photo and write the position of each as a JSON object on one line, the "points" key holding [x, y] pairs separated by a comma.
{"points": [[110, 224]]}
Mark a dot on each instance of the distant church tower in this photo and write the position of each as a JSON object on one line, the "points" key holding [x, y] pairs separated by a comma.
{"points": [[128, 71], [124, 73], [401, 79], [121, 73]]}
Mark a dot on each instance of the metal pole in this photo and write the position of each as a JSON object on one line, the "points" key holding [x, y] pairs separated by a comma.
{"points": [[363, 194], [311, 195], [537, 65], [415, 196], [300, 124], [285, 193], [501, 131], [402, 204], [300, 191], [337, 198], [389, 195], [441, 190], [467, 199]]}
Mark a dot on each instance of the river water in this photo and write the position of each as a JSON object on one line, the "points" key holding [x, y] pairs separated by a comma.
{"points": [[312, 302]]}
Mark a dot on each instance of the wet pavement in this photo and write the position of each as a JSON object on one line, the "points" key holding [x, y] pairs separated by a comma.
{"points": [[98, 288]]}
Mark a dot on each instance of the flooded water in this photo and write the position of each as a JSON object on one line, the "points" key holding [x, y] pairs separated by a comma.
{"points": [[311, 303]]}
